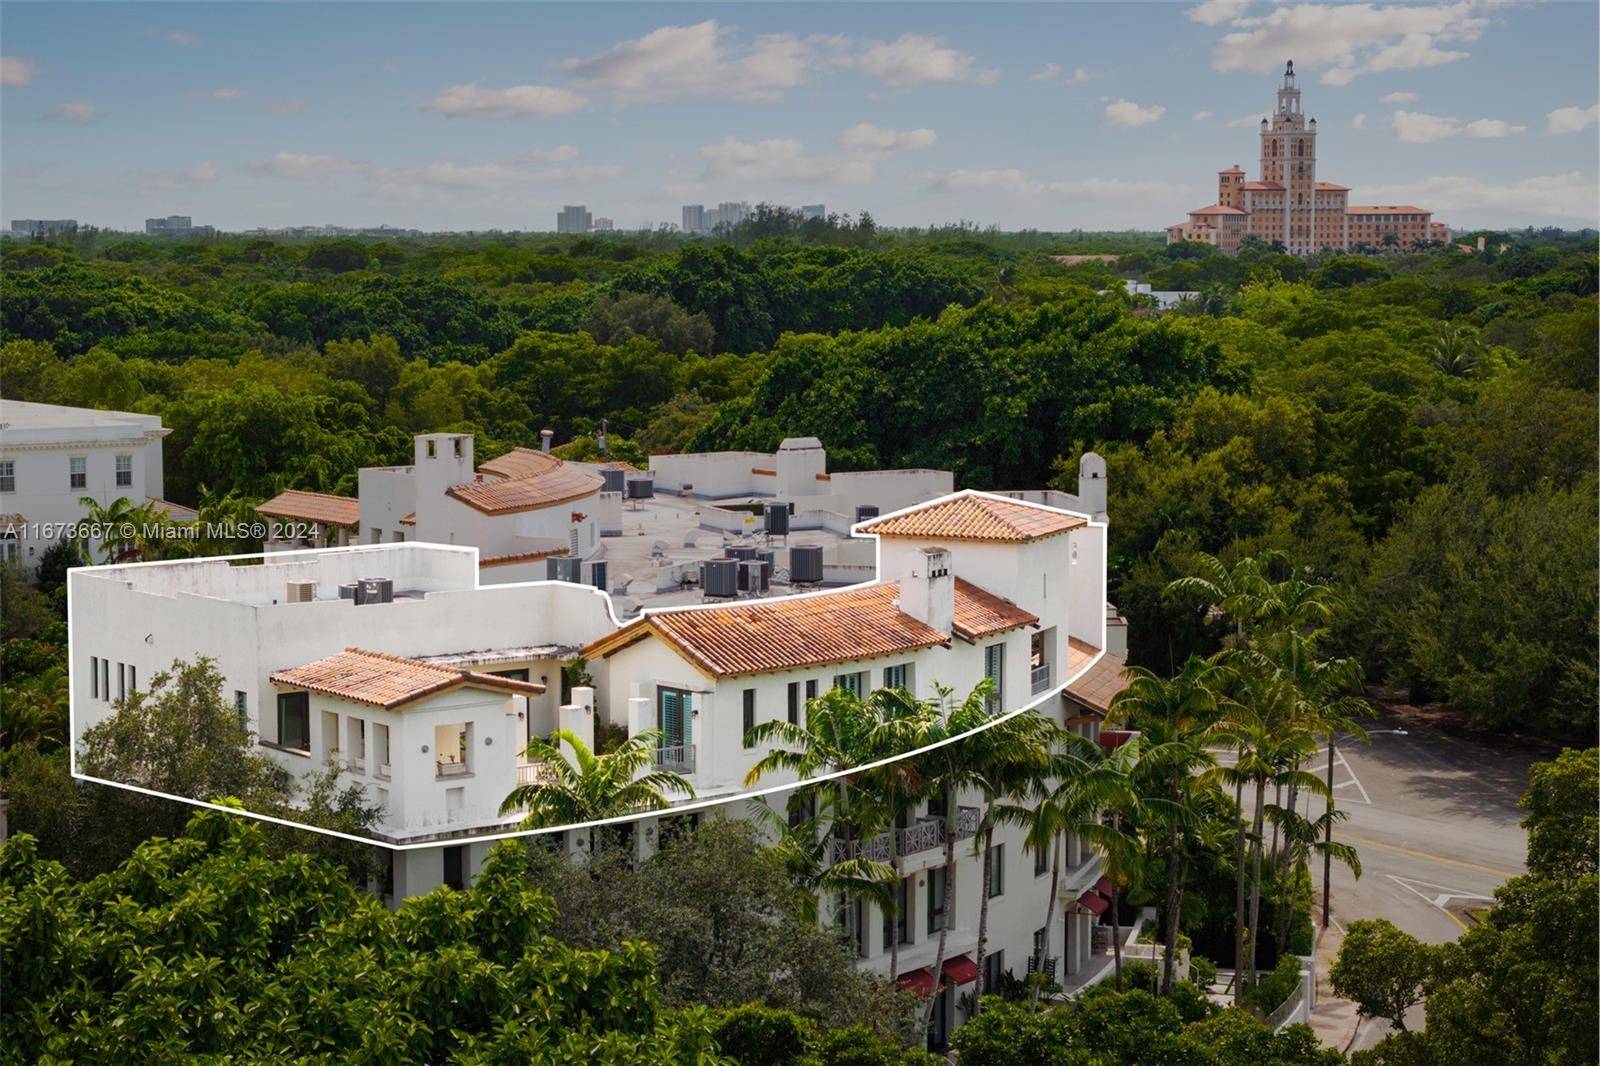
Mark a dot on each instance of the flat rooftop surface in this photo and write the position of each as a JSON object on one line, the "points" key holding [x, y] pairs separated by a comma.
{"points": [[20, 414], [666, 531]]}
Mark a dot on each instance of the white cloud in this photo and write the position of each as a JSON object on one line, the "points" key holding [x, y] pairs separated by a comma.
{"points": [[181, 38], [1013, 182], [517, 101], [559, 154], [1569, 195], [1052, 72], [1572, 119], [1491, 127], [1201, 116], [1358, 120], [1216, 12], [866, 135], [484, 176], [15, 71], [1128, 113], [782, 161], [187, 178], [913, 59], [293, 166], [1245, 121], [1402, 98], [1350, 40], [217, 94], [1414, 127], [78, 111], [698, 60]]}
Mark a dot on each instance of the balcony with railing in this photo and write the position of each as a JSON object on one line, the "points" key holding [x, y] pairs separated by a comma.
{"points": [[358, 764], [451, 768], [923, 835], [534, 773], [675, 758]]}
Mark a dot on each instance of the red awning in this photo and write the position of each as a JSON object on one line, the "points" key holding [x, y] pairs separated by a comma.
{"points": [[919, 981], [961, 970], [1094, 903], [1112, 739]]}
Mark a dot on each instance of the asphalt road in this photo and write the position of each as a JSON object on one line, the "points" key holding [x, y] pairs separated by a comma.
{"points": [[1435, 820]]}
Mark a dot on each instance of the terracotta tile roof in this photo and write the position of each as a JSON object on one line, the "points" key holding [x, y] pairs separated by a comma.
{"points": [[321, 507], [860, 622], [560, 484], [1333, 186], [388, 680], [1257, 186], [968, 516], [980, 613], [1096, 687], [517, 557], [1235, 169], [175, 511], [1218, 209], [408, 520], [1385, 209], [520, 462]]}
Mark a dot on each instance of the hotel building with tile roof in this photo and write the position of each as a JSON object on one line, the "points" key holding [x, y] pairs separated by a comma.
{"points": [[1288, 206], [401, 663]]}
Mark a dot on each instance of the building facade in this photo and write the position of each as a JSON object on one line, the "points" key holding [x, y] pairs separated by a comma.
{"points": [[1287, 206], [425, 686], [176, 226], [53, 457], [574, 218], [40, 228]]}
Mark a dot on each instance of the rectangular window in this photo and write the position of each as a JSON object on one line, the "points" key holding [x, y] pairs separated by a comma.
{"points": [[122, 682], [77, 473], [749, 715], [8, 475], [1041, 860], [124, 471], [997, 870], [898, 676], [377, 536], [994, 965], [898, 922], [851, 683], [994, 665], [105, 679], [133, 681], [455, 866], [794, 703], [294, 720], [672, 716], [935, 899], [241, 707], [94, 677]]}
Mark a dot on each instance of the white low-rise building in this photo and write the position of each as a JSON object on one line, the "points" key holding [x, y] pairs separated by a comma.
{"points": [[400, 664], [52, 457]]}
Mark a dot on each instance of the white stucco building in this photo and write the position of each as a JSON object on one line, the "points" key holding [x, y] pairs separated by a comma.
{"points": [[426, 684], [51, 457]]}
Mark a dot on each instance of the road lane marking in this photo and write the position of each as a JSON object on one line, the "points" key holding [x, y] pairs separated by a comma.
{"points": [[1440, 901], [1429, 856]]}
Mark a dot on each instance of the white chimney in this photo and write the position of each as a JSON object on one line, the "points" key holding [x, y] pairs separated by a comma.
{"points": [[928, 592], [545, 436], [1092, 485]]}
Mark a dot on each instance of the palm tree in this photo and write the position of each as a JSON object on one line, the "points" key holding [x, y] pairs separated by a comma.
{"points": [[589, 787], [1172, 715], [1235, 592], [121, 522], [1455, 351], [804, 847], [1013, 757]]}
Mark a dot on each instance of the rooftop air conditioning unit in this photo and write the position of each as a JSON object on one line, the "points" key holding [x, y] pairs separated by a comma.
{"points": [[375, 590], [615, 479], [742, 551], [720, 578], [866, 511], [302, 591], [594, 573], [805, 564], [641, 488], [754, 575], [348, 590], [777, 515]]}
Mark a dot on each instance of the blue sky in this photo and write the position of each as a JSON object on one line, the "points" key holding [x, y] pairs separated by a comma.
{"points": [[476, 116]]}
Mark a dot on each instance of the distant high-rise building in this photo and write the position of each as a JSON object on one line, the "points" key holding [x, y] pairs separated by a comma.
{"points": [[730, 214], [574, 218], [1288, 206], [694, 218], [176, 226], [43, 227], [811, 211], [604, 225]]}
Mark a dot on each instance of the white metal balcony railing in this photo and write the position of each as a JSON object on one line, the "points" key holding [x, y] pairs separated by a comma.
{"points": [[450, 769], [677, 758], [925, 835], [1041, 678], [534, 773]]}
